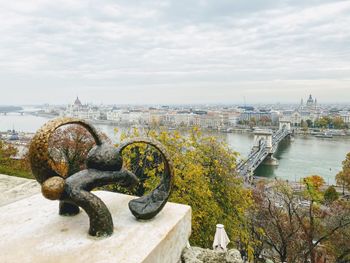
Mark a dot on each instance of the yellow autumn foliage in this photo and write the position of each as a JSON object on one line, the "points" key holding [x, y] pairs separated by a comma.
{"points": [[205, 179]]}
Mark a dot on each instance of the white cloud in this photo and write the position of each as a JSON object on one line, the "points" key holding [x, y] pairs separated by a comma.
{"points": [[162, 47]]}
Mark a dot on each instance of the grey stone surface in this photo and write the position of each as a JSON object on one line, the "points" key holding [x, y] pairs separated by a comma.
{"points": [[14, 188], [233, 256], [200, 255], [32, 231]]}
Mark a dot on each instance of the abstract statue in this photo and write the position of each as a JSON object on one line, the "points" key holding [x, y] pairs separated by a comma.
{"points": [[104, 166]]}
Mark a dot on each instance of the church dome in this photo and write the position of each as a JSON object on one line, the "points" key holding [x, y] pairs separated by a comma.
{"points": [[14, 136], [310, 100]]}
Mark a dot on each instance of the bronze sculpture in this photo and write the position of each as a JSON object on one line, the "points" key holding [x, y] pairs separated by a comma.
{"points": [[104, 166]]}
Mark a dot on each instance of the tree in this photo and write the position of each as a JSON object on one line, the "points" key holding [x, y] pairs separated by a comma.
{"points": [[252, 122], [338, 243], [323, 122], [314, 181], [265, 120], [69, 147], [274, 221], [297, 226], [330, 195], [343, 177], [304, 126], [318, 224], [343, 180], [205, 179], [309, 123], [6, 152], [11, 166], [338, 123]]}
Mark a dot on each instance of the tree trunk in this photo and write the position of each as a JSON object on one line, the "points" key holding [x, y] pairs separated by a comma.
{"points": [[312, 252]]}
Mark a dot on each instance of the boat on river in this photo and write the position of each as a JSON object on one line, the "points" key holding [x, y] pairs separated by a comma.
{"points": [[324, 135]]}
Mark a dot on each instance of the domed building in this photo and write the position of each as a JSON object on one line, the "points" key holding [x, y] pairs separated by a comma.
{"points": [[13, 136], [303, 113], [77, 102], [311, 103], [78, 110]]}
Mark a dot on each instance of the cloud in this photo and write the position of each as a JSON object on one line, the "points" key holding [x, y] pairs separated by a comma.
{"points": [[174, 47]]}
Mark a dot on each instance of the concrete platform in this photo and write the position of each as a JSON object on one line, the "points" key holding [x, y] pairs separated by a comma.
{"points": [[32, 231], [14, 188]]}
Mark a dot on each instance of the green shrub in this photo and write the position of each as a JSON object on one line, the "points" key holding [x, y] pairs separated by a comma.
{"points": [[331, 194]]}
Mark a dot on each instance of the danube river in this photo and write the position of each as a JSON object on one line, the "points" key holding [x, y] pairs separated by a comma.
{"points": [[304, 156]]}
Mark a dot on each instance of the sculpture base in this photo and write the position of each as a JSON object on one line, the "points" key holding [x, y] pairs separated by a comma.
{"points": [[14, 188], [32, 231]]}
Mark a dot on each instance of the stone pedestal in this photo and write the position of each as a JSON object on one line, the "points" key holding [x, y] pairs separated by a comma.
{"points": [[32, 231], [13, 188]]}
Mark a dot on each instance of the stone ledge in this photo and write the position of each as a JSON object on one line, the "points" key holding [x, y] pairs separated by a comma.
{"points": [[201, 255], [14, 188], [32, 231]]}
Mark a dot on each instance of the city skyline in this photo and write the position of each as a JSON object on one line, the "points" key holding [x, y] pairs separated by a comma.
{"points": [[174, 52], [244, 102]]}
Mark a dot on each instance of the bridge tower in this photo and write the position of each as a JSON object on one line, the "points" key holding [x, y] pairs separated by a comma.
{"points": [[284, 124], [261, 137]]}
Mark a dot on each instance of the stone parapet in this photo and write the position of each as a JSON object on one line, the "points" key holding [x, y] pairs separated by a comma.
{"points": [[32, 231]]}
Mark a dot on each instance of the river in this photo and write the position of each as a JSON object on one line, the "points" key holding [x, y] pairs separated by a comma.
{"points": [[304, 156]]}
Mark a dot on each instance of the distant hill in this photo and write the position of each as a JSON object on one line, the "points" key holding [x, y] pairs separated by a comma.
{"points": [[10, 108]]}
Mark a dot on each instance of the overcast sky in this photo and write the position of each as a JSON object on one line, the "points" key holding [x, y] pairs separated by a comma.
{"points": [[174, 51]]}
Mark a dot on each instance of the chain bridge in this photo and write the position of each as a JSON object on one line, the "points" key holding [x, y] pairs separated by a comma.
{"points": [[265, 144]]}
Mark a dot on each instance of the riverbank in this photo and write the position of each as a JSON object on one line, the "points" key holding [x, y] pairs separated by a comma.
{"points": [[299, 186], [228, 129], [305, 155], [329, 133]]}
